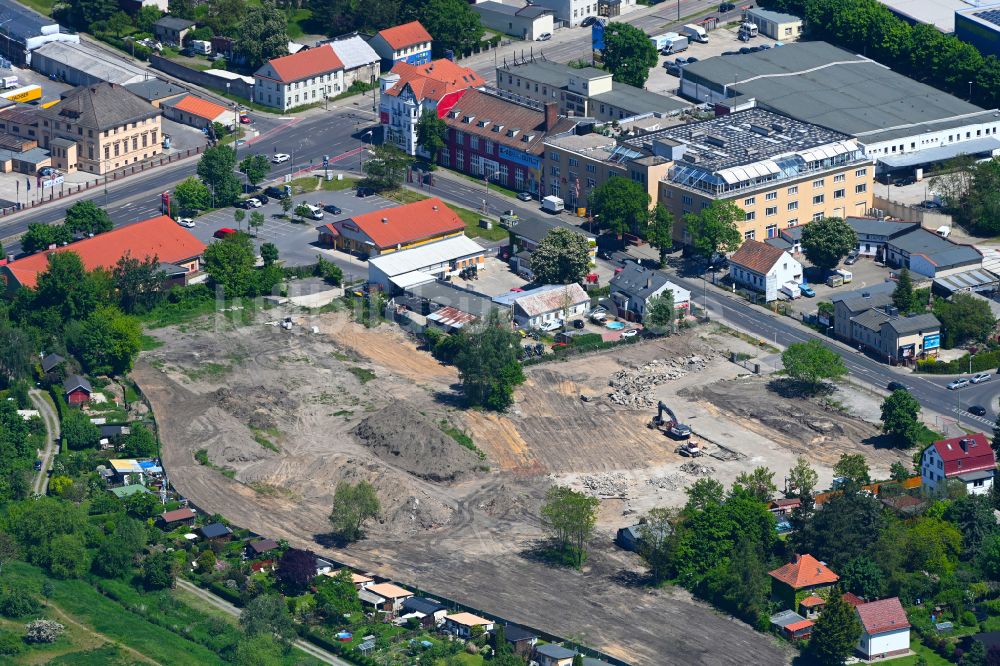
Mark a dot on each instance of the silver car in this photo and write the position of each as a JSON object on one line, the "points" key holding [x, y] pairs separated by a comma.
{"points": [[981, 377], [958, 383]]}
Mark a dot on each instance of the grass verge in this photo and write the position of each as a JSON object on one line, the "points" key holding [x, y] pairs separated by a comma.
{"points": [[472, 228]]}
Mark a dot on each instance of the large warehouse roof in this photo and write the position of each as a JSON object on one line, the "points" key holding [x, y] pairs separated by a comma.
{"points": [[939, 13], [93, 61], [822, 84]]}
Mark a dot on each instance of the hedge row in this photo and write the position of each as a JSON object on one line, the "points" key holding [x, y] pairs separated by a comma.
{"points": [[980, 362]]}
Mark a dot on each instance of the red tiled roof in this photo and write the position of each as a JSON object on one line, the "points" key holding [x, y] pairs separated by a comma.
{"points": [[503, 116], [813, 600], [329, 228], [974, 456], [756, 256], [406, 224], [852, 599], [433, 80], [804, 571], [883, 615], [796, 626], [305, 64], [408, 34], [177, 514], [200, 107], [158, 237], [786, 502]]}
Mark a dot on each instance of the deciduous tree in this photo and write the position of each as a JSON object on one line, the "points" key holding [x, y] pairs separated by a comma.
{"points": [[452, 23], [337, 596], [215, 168], [137, 281], [263, 34], [296, 569], [78, 432], [703, 493], [562, 257], [386, 167], [353, 506], [267, 615], [811, 363], [853, 468], [230, 263], [256, 168], [488, 365], [570, 516], [660, 233], [758, 484], [620, 204], [107, 342], [836, 632], [826, 241], [85, 217], [899, 417], [964, 319], [628, 53], [140, 442], [655, 546], [159, 571], [191, 195], [661, 315], [863, 577], [802, 478], [269, 253], [714, 229], [432, 132], [40, 236]]}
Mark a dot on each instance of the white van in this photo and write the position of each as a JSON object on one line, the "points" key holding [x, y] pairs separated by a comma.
{"points": [[315, 212], [844, 273], [943, 231], [695, 33]]}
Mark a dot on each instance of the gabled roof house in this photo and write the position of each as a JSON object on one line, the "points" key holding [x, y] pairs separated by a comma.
{"points": [[966, 458]]}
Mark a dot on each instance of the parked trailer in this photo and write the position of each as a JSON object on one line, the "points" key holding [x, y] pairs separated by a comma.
{"points": [[25, 94], [660, 41], [9, 82], [675, 45]]}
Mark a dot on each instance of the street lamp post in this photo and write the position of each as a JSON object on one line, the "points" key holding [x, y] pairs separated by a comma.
{"points": [[361, 155]]}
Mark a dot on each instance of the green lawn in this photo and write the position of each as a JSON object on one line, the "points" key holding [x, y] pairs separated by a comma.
{"points": [[297, 21], [40, 6], [932, 658], [472, 228], [342, 184]]}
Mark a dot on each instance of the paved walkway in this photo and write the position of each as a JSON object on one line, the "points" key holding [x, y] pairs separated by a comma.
{"points": [[227, 607], [48, 414]]}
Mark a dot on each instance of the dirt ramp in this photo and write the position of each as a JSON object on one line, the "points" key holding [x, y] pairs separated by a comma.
{"points": [[405, 438]]}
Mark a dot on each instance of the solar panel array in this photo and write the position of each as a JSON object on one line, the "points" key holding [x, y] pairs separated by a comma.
{"points": [[991, 15]]}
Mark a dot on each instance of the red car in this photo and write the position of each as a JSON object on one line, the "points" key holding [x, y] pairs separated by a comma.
{"points": [[224, 232], [558, 345], [245, 119]]}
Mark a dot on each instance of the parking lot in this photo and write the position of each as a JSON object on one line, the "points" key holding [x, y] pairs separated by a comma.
{"points": [[864, 272], [495, 279], [296, 241], [719, 41]]}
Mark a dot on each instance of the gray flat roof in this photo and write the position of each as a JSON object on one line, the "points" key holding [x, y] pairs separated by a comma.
{"points": [[93, 61], [21, 22], [939, 13], [776, 17], [914, 324], [448, 295], [941, 252], [822, 84], [875, 227], [550, 73], [941, 153], [527, 11], [969, 280], [744, 137], [637, 100]]}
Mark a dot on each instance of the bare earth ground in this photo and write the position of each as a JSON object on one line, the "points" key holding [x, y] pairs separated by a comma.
{"points": [[471, 537]]}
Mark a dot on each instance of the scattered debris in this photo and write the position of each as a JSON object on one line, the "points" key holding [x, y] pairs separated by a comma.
{"points": [[669, 482], [633, 387], [611, 484], [697, 469]]}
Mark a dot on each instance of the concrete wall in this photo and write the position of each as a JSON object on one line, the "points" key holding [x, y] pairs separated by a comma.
{"points": [[204, 79], [929, 219]]}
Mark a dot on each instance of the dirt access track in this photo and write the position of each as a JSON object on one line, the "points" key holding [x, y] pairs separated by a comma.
{"points": [[281, 410]]}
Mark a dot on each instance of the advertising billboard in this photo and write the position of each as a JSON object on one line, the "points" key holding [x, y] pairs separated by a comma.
{"points": [[932, 341], [597, 36]]}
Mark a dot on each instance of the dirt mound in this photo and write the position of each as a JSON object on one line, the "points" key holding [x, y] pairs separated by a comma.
{"points": [[256, 406], [403, 437]]}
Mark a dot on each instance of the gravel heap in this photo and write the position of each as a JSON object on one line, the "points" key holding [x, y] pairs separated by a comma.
{"points": [[612, 484], [633, 387]]}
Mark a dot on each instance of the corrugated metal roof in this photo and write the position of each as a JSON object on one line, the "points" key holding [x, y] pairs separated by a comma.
{"points": [[405, 261], [354, 52]]}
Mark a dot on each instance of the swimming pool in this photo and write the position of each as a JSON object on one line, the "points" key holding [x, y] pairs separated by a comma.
{"points": [[615, 325]]}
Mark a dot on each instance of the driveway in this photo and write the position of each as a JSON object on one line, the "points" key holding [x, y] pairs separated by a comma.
{"points": [[44, 406]]}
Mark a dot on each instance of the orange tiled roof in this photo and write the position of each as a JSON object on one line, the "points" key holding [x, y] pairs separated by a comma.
{"points": [[158, 237], [202, 108], [389, 227], [804, 571], [304, 64], [389, 591], [408, 34], [433, 80], [883, 615], [813, 600], [801, 624]]}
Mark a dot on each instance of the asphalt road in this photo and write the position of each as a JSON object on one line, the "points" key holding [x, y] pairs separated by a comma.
{"points": [[929, 390]]}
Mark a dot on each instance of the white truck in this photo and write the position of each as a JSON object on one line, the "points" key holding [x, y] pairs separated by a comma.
{"points": [[695, 33], [552, 204], [791, 290], [201, 46], [9, 82], [675, 44]]}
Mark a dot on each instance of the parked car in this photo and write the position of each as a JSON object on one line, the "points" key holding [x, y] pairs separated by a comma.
{"points": [[673, 69], [276, 192], [589, 21], [186, 222], [332, 209], [692, 59], [978, 410], [280, 157], [745, 50], [224, 232], [553, 325], [930, 205], [852, 258], [578, 323], [365, 192], [727, 7], [525, 196], [905, 180], [38, 465], [545, 36], [958, 383], [630, 333], [807, 291], [896, 386], [263, 198], [681, 60], [981, 377]]}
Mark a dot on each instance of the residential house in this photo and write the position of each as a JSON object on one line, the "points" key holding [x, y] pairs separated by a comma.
{"points": [[782, 508], [392, 229], [572, 12], [776, 25], [635, 286], [391, 596], [155, 91], [812, 606], [302, 78], [525, 21], [630, 538], [885, 629], [398, 271], [521, 640], [765, 269], [874, 233], [526, 234], [216, 532], [50, 362], [925, 253], [849, 304], [198, 112], [431, 613], [409, 91], [585, 93], [77, 390], [791, 625], [24, 30], [361, 62], [500, 139], [462, 624], [802, 577], [967, 458], [158, 237], [893, 338], [549, 303], [96, 129], [183, 516], [409, 43], [255, 549], [172, 30], [551, 654]]}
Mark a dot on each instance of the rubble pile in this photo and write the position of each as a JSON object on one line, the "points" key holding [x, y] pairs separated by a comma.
{"points": [[670, 482], [633, 387], [612, 484], [697, 469]]}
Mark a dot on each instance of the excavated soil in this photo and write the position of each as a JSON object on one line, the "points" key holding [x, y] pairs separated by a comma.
{"points": [[406, 439]]}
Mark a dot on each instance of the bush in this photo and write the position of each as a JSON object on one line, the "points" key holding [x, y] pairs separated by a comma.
{"points": [[17, 602], [980, 362], [10, 644]]}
